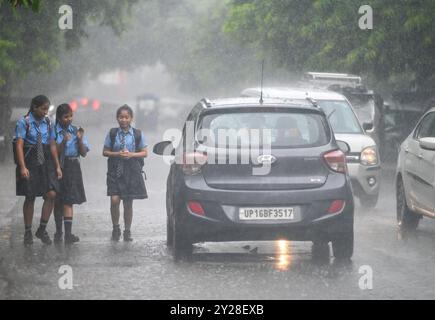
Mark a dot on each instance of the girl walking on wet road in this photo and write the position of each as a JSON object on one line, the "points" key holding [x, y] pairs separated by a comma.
{"points": [[71, 145], [126, 149], [38, 169]]}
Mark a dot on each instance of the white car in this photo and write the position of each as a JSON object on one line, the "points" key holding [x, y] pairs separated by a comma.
{"points": [[415, 175], [363, 159]]}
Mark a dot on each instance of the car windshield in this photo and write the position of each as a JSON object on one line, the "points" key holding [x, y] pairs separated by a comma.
{"points": [[364, 108], [282, 129], [341, 116]]}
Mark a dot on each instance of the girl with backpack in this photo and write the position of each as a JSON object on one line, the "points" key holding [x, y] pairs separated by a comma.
{"points": [[125, 148], [38, 169], [71, 145]]}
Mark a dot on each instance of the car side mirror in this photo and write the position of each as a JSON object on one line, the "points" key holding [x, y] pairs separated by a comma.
{"points": [[343, 146], [367, 126], [164, 148], [427, 143]]}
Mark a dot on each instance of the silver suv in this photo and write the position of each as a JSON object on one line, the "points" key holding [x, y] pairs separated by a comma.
{"points": [[415, 176], [363, 159]]}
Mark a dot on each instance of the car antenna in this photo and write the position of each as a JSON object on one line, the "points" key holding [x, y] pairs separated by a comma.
{"points": [[262, 76]]}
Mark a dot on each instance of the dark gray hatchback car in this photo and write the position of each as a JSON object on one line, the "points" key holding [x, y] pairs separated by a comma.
{"points": [[247, 171]]}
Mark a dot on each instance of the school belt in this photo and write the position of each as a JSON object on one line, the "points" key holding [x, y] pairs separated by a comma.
{"points": [[72, 158]]}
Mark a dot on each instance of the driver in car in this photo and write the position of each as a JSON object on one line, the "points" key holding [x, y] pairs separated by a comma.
{"points": [[288, 132]]}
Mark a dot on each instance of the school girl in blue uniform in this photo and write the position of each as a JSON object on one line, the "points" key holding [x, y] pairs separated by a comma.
{"points": [[38, 169], [125, 148], [71, 145]]}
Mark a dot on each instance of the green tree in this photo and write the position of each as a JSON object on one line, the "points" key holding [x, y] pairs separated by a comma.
{"points": [[324, 35], [31, 41]]}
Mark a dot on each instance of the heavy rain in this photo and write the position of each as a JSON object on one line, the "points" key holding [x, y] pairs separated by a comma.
{"points": [[344, 92]]}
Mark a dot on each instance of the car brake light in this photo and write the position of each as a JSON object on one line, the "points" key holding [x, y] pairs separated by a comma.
{"points": [[96, 105], [193, 162], [84, 101], [73, 105], [336, 206], [336, 160], [196, 208]]}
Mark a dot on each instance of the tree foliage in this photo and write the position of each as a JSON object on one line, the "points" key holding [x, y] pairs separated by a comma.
{"points": [[31, 40], [324, 35]]}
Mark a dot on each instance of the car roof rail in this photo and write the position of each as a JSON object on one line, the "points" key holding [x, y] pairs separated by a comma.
{"points": [[207, 102], [312, 101]]}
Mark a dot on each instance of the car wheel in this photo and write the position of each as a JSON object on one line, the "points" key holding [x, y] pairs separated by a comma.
{"points": [[407, 219], [169, 233], [369, 201], [182, 247], [342, 245]]}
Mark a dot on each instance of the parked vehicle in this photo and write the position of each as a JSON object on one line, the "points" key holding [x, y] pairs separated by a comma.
{"points": [[398, 122], [415, 175], [367, 104], [363, 159], [306, 195], [152, 110]]}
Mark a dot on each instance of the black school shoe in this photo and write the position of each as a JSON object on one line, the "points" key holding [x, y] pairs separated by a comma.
{"points": [[70, 239], [127, 236], [58, 237], [116, 234], [43, 236], [28, 238]]}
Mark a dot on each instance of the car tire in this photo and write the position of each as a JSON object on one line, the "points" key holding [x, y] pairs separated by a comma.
{"points": [[342, 245], [182, 246], [407, 220], [369, 201]]}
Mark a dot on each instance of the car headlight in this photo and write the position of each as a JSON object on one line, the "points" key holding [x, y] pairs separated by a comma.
{"points": [[369, 156]]}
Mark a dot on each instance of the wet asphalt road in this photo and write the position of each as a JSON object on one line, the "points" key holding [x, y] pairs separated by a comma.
{"points": [[144, 269]]}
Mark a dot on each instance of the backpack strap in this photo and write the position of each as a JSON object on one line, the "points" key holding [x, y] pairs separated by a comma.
{"points": [[48, 122], [137, 138], [46, 119], [26, 119], [112, 135]]}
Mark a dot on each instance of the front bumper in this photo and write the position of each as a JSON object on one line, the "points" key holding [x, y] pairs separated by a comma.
{"points": [[360, 176]]}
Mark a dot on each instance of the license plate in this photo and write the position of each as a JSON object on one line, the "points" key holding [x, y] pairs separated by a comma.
{"points": [[287, 213]]}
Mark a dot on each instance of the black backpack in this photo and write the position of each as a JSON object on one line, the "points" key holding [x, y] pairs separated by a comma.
{"points": [[137, 139]]}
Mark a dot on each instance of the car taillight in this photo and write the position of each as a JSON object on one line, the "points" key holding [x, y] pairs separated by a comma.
{"points": [[96, 104], [196, 208], [336, 206], [84, 101], [73, 105], [193, 162], [336, 160]]}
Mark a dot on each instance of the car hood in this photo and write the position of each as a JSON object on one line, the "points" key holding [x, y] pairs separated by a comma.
{"points": [[356, 142]]}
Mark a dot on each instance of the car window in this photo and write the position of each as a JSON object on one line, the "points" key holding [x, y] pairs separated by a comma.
{"points": [[427, 127], [342, 117], [287, 130], [364, 107]]}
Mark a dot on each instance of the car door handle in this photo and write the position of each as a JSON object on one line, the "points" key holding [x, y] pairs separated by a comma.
{"points": [[407, 150], [420, 156]]}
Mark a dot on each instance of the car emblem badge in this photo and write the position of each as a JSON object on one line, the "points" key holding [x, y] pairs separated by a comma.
{"points": [[266, 159]]}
